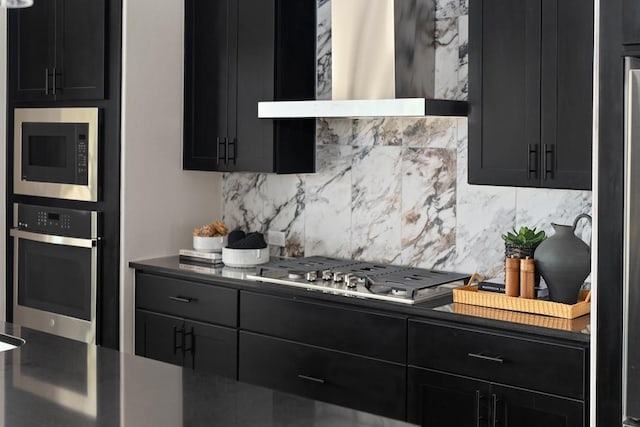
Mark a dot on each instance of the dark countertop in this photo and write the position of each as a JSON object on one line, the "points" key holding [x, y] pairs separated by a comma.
{"points": [[577, 330], [55, 381]]}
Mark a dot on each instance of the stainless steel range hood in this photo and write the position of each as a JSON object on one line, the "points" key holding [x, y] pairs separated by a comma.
{"points": [[383, 64]]}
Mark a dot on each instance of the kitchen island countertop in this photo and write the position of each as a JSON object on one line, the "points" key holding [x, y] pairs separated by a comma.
{"points": [[443, 308], [54, 381]]}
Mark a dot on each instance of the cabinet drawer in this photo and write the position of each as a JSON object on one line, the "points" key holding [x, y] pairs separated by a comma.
{"points": [[354, 331], [339, 378], [187, 299], [537, 365]]}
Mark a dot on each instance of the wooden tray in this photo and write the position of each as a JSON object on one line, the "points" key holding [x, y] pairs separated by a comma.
{"points": [[470, 295]]}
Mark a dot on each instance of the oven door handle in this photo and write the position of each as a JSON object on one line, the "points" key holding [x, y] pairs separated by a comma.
{"points": [[56, 240]]}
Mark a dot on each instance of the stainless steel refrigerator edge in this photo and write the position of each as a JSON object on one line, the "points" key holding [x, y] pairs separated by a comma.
{"points": [[631, 315]]}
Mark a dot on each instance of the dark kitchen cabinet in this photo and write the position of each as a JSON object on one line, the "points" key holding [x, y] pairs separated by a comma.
{"points": [[186, 323], [239, 52], [57, 50], [324, 351], [443, 399], [484, 377], [631, 22], [530, 93]]}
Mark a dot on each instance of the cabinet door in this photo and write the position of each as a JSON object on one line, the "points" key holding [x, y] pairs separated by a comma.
{"points": [[210, 83], [436, 399], [504, 92], [31, 42], [520, 408], [159, 337], [80, 50], [631, 21], [211, 348], [567, 94]]}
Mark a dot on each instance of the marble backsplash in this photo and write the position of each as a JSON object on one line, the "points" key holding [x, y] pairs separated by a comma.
{"points": [[393, 189]]}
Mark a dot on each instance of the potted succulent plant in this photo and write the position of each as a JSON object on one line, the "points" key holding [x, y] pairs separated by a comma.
{"points": [[522, 243]]}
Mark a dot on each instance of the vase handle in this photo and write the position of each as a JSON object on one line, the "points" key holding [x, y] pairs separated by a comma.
{"points": [[575, 224]]}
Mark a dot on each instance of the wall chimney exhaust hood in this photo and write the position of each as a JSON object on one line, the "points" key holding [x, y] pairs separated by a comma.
{"points": [[383, 64]]}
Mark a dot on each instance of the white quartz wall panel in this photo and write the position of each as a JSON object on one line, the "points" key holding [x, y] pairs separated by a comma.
{"points": [[161, 203]]}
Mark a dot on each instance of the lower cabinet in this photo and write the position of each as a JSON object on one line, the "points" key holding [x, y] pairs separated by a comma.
{"points": [[438, 399], [344, 379], [194, 345]]}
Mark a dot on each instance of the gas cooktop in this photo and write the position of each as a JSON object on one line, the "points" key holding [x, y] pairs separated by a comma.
{"points": [[361, 279]]}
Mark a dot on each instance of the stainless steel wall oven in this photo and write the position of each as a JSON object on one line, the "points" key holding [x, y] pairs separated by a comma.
{"points": [[56, 270], [56, 153]]}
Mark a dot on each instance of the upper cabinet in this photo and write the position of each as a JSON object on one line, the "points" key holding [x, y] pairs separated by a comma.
{"points": [[530, 93], [57, 50], [631, 22], [239, 52]]}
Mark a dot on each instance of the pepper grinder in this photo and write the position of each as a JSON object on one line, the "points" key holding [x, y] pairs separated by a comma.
{"points": [[512, 277], [527, 278]]}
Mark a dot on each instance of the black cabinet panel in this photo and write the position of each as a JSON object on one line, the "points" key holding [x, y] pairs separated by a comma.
{"points": [[80, 53], [187, 299], [631, 22], [436, 399], [352, 381], [353, 331], [58, 50], [521, 408], [258, 50], [158, 337], [526, 363], [211, 348], [32, 39], [530, 93]]}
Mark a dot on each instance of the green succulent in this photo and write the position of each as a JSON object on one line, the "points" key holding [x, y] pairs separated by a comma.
{"points": [[524, 237]]}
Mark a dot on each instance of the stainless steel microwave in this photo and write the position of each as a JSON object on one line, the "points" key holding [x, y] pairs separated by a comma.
{"points": [[56, 153]]}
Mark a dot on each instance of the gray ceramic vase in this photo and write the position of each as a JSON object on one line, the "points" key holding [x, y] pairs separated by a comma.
{"points": [[564, 262]]}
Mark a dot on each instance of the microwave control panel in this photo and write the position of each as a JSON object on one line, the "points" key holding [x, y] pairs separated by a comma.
{"points": [[56, 221]]}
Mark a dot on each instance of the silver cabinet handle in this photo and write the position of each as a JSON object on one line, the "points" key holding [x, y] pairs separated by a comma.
{"points": [[497, 359], [312, 379]]}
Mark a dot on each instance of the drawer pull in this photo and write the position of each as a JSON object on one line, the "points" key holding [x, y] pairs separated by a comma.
{"points": [[314, 379], [497, 359], [186, 300]]}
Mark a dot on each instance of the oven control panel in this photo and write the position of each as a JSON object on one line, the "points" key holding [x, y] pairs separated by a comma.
{"points": [[56, 221]]}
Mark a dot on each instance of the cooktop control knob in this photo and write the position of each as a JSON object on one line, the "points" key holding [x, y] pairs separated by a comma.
{"points": [[351, 280], [295, 274], [338, 276], [327, 275], [311, 276]]}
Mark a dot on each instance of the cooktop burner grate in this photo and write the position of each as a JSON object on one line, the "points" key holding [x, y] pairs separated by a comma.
{"points": [[360, 278]]}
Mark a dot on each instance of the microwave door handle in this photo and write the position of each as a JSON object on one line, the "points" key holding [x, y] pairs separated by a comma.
{"points": [[56, 240]]}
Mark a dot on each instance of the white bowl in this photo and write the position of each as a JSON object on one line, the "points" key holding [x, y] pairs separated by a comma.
{"points": [[209, 244], [244, 258]]}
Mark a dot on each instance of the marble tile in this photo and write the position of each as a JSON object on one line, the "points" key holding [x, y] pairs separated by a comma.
{"points": [[464, 7], [323, 50], [446, 58], [334, 131], [428, 207], [541, 207], [375, 215], [463, 58], [448, 8], [243, 205], [328, 203], [432, 132], [284, 211], [483, 214]]}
